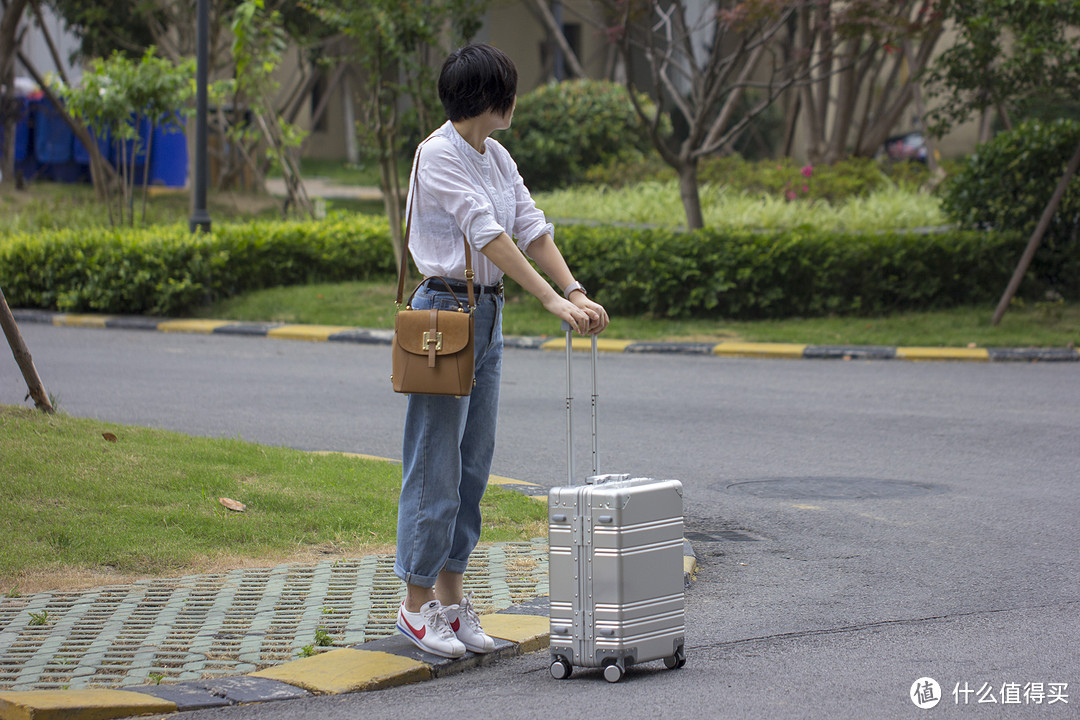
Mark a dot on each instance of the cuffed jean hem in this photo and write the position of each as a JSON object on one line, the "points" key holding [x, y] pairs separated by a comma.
{"points": [[414, 579], [454, 566]]}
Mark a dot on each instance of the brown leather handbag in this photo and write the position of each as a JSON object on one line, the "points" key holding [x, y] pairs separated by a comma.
{"points": [[433, 349]]}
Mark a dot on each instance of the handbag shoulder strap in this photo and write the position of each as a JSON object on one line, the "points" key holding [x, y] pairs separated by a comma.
{"points": [[469, 274]]}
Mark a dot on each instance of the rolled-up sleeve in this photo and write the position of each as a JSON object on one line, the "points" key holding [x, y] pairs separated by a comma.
{"points": [[530, 223], [446, 179]]}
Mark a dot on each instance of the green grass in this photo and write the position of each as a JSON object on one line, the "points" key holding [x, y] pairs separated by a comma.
{"points": [[371, 305], [73, 502], [364, 173], [47, 206], [658, 203]]}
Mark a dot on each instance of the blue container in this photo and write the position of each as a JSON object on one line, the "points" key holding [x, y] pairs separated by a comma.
{"points": [[144, 137], [169, 154], [82, 156], [53, 139]]}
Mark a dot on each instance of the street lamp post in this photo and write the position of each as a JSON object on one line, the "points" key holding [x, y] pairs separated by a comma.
{"points": [[200, 218]]}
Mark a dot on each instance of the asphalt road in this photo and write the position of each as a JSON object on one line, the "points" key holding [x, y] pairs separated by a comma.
{"points": [[859, 525]]}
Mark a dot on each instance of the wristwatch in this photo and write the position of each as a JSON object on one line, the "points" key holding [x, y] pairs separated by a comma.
{"points": [[572, 287]]}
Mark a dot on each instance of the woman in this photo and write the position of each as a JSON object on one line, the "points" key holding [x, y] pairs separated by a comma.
{"points": [[465, 184]]}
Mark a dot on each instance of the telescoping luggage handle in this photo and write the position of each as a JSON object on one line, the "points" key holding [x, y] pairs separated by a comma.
{"points": [[569, 403]]}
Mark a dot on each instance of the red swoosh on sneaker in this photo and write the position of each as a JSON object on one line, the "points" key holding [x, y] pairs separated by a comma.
{"points": [[418, 633], [455, 625]]}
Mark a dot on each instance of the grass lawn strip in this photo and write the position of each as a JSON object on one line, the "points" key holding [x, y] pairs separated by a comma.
{"points": [[85, 499]]}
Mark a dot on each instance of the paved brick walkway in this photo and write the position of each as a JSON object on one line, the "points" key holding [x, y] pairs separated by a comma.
{"points": [[208, 626]]}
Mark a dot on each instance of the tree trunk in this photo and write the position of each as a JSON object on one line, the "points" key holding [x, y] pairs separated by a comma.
{"points": [[557, 35], [391, 192], [23, 357], [9, 26], [691, 198], [1037, 236], [348, 108]]}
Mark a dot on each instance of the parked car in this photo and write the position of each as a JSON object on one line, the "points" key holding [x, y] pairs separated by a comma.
{"points": [[911, 146]]}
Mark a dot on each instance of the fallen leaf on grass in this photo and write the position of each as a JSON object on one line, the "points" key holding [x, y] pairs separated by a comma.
{"points": [[232, 504], [109, 436]]}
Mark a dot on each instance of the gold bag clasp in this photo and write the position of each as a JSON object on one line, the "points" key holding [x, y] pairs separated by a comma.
{"points": [[437, 339]]}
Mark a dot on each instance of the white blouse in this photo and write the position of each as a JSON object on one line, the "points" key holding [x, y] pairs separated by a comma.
{"points": [[464, 191]]}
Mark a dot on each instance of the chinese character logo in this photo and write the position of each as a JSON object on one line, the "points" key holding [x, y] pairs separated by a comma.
{"points": [[925, 693]]}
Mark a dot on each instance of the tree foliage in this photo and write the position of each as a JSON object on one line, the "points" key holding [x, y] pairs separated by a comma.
{"points": [[258, 46], [117, 97], [1004, 185], [1007, 53], [397, 48]]}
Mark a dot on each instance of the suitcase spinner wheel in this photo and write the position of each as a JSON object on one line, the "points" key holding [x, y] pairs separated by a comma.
{"points": [[561, 668], [614, 671], [677, 660]]}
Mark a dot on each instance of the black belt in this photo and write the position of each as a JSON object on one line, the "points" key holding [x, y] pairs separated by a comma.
{"points": [[459, 286]]}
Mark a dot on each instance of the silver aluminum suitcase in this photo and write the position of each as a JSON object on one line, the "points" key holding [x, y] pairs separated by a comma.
{"points": [[615, 549]]}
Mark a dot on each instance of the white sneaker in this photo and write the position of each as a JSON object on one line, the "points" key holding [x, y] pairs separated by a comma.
{"points": [[429, 630], [466, 625]]}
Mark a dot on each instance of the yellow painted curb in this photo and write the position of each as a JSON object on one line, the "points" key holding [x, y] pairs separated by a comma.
{"points": [[347, 670], [94, 321], [499, 480], [529, 632], [585, 344], [306, 332], [689, 566], [359, 456], [79, 705], [930, 353], [746, 349], [204, 327]]}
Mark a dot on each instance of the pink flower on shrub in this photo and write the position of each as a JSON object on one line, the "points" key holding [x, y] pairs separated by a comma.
{"points": [[806, 188], [791, 195], [808, 170]]}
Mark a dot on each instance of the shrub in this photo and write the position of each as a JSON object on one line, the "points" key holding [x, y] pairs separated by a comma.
{"points": [[165, 270], [561, 130], [1007, 183], [793, 273], [785, 178]]}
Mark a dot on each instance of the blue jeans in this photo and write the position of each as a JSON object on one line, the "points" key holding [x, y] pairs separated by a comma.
{"points": [[448, 446]]}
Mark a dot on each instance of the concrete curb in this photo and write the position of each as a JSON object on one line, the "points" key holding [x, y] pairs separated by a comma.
{"points": [[333, 333]]}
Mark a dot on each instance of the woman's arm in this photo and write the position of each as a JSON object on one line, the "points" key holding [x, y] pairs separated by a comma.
{"points": [[547, 255], [505, 254]]}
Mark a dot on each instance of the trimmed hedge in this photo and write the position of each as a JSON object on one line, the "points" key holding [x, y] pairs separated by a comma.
{"points": [[798, 273], [168, 271], [708, 273]]}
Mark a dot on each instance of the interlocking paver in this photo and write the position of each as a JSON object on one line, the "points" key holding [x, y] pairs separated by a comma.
{"points": [[204, 628]]}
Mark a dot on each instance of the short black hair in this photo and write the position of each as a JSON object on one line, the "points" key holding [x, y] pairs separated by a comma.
{"points": [[475, 79]]}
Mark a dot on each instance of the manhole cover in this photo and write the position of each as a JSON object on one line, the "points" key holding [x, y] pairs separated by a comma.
{"points": [[830, 488]]}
